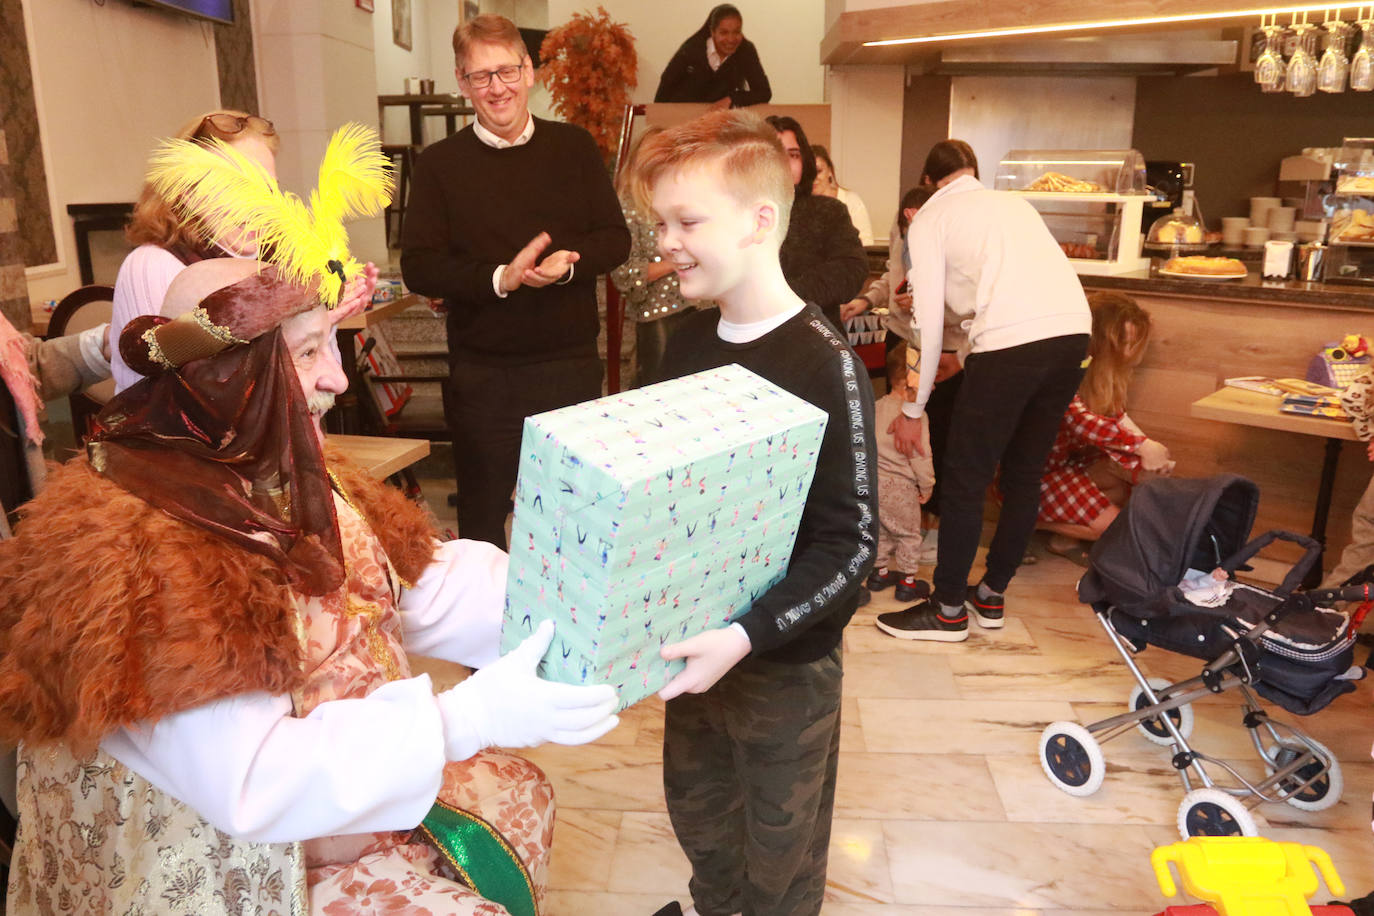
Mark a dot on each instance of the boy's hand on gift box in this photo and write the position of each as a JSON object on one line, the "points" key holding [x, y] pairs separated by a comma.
{"points": [[507, 705], [709, 655]]}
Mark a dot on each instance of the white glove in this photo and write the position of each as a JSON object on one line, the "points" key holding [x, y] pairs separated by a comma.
{"points": [[507, 705]]}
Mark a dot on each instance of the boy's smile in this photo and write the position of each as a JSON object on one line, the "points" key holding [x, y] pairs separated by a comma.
{"points": [[703, 230]]}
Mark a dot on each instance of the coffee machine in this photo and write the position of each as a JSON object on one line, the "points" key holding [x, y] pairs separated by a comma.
{"points": [[1172, 185]]}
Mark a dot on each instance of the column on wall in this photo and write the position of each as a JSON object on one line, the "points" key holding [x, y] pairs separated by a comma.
{"points": [[317, 71], [866, 137]]}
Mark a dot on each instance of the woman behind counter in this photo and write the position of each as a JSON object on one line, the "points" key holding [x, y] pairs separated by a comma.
{"points": [[717, 64]]}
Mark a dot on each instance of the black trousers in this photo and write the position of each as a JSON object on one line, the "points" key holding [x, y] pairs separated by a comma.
{"points": [[1008, 411], [486, 408], [940, 415]]}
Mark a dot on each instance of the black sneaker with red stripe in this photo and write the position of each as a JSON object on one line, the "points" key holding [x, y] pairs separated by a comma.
{"points": [[924, 621], [910, 588], [987, 611]]}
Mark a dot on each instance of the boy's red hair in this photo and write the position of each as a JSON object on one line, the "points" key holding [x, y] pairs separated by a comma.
{"points": [[744, 146]]}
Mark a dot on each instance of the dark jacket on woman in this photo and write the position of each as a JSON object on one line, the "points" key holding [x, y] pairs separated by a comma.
{"points": [[821, 256], [689, 77]]}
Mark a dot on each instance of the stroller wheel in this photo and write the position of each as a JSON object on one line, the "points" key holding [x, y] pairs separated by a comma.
{"points": [[1324, 790], [1072, 758], [1153, 729], [1212, 812]]}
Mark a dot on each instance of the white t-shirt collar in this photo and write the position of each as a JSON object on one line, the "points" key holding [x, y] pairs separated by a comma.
{"points": [[731, 332], [492, 140], [712, 55]]}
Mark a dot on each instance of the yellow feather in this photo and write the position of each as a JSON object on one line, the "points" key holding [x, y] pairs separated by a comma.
{"points": [[218, 190]]}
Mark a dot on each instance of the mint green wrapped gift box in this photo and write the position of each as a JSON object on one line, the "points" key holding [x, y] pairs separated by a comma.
{"points": [[646, 517]]}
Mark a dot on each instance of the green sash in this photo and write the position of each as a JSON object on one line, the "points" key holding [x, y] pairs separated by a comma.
{"points": [[481, 856]]}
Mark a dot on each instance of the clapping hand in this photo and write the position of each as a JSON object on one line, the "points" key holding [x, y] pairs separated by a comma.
{"points": [[525, 269]]}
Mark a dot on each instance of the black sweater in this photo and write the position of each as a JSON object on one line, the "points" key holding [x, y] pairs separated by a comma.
{"points": [[473, 207], [800, 619], [689, 77], [821, 256]]}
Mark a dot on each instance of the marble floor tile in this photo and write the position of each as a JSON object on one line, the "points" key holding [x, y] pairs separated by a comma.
{"points": [[612, 777], [583, 841], [1041, 677], [890, 909], [932, 787], [957, 726], [1034, 866], [605, 903], [647, 858], [859, 870], [888, 674]]}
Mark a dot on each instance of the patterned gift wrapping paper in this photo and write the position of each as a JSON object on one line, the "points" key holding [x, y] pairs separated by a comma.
{"points": [[646, 517]]}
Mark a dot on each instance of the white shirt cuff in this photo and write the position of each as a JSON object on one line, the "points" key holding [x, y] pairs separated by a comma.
{"points": [[912, 411], [496, 281], [566, 278]]}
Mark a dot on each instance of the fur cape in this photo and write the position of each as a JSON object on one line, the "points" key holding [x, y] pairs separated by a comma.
{"points": [[113, 612]]}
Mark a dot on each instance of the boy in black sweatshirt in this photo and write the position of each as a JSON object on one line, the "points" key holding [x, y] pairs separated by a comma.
{"points": [[751, 738]]}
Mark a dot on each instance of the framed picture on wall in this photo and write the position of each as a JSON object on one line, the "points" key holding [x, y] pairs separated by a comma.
{"points": [[364, 5], [400, 23]]}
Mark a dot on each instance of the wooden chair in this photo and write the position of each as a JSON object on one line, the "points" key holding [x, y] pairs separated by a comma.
{"points": [[80, 311], [402, 156]]}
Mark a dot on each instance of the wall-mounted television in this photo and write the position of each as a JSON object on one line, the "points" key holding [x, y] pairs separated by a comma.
{"points": [[214, 10]]}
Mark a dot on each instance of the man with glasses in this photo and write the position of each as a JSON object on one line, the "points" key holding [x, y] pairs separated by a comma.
{"points": [[509, 221]]}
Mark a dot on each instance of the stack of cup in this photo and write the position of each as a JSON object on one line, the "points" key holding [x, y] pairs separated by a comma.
{"points": [[1233, 231], [1259, 209]]}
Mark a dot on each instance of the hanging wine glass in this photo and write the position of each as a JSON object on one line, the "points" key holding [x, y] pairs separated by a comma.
{"points": [[1361, 65], [1334, 68], [1301, 76], [1269, 69]]}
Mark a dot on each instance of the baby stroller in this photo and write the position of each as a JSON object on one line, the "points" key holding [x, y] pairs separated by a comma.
{"points": [[1282, 645]]}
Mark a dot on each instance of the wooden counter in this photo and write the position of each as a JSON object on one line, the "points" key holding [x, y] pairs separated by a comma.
{"points": [[1207, 331]]}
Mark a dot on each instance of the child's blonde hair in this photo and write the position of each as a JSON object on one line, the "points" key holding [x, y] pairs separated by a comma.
{"points": [[1121, 329], [896, 367], [750, 157]]}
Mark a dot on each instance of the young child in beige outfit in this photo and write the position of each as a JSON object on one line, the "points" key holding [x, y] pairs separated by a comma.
{"points": [[904, 485]]}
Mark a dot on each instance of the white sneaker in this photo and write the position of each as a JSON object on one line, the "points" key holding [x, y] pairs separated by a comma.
{"points": [[930, 547]]}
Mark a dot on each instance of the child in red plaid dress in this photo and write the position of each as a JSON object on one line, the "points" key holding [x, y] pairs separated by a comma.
{"points": [[1099, 453]]}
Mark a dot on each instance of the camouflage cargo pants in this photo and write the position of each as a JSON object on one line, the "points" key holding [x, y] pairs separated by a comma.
{"points": [[749, 776]]}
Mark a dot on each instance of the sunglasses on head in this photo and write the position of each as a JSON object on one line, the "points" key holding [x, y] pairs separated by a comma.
{"points": [[234, 124]]}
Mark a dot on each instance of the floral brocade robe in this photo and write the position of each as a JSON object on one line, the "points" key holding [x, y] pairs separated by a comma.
{"points": [[96, 837]]}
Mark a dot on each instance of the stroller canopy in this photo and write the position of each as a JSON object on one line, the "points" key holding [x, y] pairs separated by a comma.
{"points": [[1168, 526]]}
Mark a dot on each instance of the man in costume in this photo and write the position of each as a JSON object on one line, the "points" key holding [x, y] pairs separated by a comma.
{"points": [[204, 627]]}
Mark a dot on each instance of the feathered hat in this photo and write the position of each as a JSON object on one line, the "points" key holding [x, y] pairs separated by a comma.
{"points": [[218, 190]]}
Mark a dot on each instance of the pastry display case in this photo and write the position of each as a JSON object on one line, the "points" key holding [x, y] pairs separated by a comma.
{"points": [[1350, 239], [1091, 200]]}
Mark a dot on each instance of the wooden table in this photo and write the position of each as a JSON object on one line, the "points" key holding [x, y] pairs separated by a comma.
{"points": [[450, 107], [380, 456], [1251, 408]]}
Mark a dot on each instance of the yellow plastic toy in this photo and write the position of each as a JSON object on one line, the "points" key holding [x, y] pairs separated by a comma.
{"points": [[1246, 876]]}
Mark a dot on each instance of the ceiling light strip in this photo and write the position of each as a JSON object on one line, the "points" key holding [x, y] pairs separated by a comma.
{"points": [[1101, 24]]}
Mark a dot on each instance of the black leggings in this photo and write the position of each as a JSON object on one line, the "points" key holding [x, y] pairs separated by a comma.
{"points": [[1008, 411]]}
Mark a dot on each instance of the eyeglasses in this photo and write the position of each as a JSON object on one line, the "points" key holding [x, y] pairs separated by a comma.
{"points": [[236, 124], [481, 79]]}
